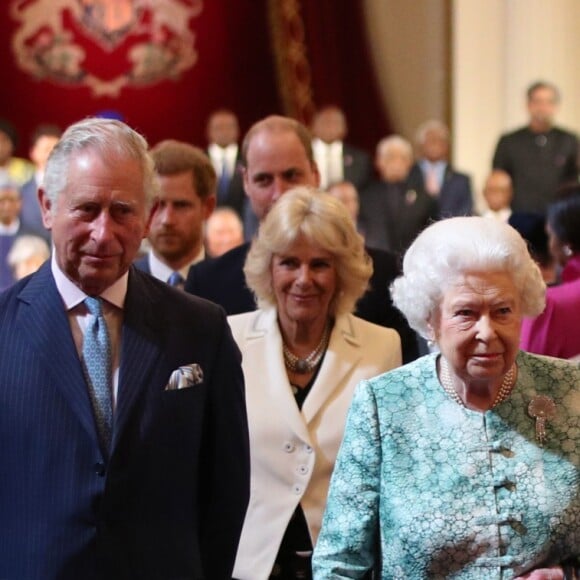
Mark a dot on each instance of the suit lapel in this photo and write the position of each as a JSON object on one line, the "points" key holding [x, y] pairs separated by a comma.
{"points": [[264, 343], [140, 347], [343, 353], [44, 320]]}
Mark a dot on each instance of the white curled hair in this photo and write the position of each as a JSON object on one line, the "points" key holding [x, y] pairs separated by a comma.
{"points": [[452, 247]]}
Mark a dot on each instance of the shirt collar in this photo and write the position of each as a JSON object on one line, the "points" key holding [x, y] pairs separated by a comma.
{"points": [[10, 230], [162, 271], [439, 166], [72, 295], [323, 146], [215, 149]]}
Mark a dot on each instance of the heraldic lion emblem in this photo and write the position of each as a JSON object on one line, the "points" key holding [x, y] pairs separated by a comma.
{"points": [[55, 39]]}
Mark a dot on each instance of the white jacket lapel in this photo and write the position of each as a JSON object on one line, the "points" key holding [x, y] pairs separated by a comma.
{"points": [[342, 355]]}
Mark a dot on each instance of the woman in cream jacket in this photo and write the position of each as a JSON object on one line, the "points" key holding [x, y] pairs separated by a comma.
{"points": [[303, 353]]}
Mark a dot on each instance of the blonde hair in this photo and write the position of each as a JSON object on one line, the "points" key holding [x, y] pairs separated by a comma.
{"points": [[323, 221]]}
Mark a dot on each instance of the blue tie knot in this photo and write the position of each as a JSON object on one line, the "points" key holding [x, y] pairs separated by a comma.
{"points": [[176, 279], [94, 305]]}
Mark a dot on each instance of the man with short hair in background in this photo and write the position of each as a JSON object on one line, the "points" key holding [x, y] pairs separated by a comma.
{"points": [[223, 134], [540, 156], [449, 187], [277, 155], [224, 231], [186, 199]]}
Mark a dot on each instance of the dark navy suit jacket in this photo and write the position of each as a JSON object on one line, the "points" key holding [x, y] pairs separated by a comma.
{"points": [[222, 280], [170, 501], [142, 264], [357, 166], [455, 197]]}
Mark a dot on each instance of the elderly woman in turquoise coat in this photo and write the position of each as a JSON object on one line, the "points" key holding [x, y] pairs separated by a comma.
{"points": [[464, 464]]}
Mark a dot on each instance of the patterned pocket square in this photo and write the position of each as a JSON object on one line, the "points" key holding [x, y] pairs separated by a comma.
{"points": [[185, 377]]}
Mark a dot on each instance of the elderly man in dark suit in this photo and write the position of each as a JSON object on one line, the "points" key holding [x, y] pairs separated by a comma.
{"points": [[394, 209], [433, 172], [11, 228], [277, 155], [123, 430]]}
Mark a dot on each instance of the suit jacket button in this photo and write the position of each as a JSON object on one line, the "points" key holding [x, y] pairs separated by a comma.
{"points": [[100, 469], [288, 447]]}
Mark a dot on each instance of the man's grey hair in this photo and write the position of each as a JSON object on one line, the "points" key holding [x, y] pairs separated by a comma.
{"points": [[394, 142], [428, 126], [111, 139]]}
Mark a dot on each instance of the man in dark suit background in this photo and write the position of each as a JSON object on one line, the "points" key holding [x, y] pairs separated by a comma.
{"points": [[11, 228], [336, 159], [42, 142], [394, 209], [186, 197], [538, 157], [223, 133], [277, 155], [123, 432], [436, 176]]}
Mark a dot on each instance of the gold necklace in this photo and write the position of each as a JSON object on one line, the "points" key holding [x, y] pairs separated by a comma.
{"points": [[504, 391], [305, 365]]}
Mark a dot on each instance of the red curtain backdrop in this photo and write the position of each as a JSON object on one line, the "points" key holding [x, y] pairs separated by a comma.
{"points": [[322, 58], [341, 68], [235, 68]]}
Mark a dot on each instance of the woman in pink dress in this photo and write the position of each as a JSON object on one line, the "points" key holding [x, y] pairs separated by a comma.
{"points": [[556, 332]]}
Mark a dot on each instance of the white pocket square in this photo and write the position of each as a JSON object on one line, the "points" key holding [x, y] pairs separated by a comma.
{"points": [[185, 377]]}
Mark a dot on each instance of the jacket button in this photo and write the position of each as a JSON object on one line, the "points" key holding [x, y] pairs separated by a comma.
{"points": [[297, 489], [100, 469], [302, 469], [289, 447]]}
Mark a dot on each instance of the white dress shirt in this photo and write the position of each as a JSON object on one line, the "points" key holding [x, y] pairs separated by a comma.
{"points": [[221, 156], [162, 271], [328, 157]]}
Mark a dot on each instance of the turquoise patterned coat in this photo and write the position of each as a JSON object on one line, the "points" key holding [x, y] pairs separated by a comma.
{"points": [[454, 493]]}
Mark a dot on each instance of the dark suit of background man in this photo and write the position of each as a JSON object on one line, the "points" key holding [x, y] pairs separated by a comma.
{"points": [[42, 142], [538, 157], [394, 209], [11, 228], [277, 155], [336, 159], [450, 188], [223, 133], [161, 492], [186, 197]]}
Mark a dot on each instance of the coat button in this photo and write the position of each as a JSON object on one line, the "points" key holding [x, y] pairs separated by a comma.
{"points": [[289, 447], [302, 469], [100, 469], [297, 489]]}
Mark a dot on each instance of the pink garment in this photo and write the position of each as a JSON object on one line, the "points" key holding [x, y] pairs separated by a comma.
{"points": [[556, 332]]}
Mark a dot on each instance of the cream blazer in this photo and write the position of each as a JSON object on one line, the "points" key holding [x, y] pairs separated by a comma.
{"points": [[292, 451]]}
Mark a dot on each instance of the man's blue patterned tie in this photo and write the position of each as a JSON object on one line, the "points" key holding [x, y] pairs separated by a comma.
{"points": [[98, 364], [176, 279]]}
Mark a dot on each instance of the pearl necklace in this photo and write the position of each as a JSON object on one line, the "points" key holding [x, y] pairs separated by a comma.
{"points": [[504, 391], [305, 365]]}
